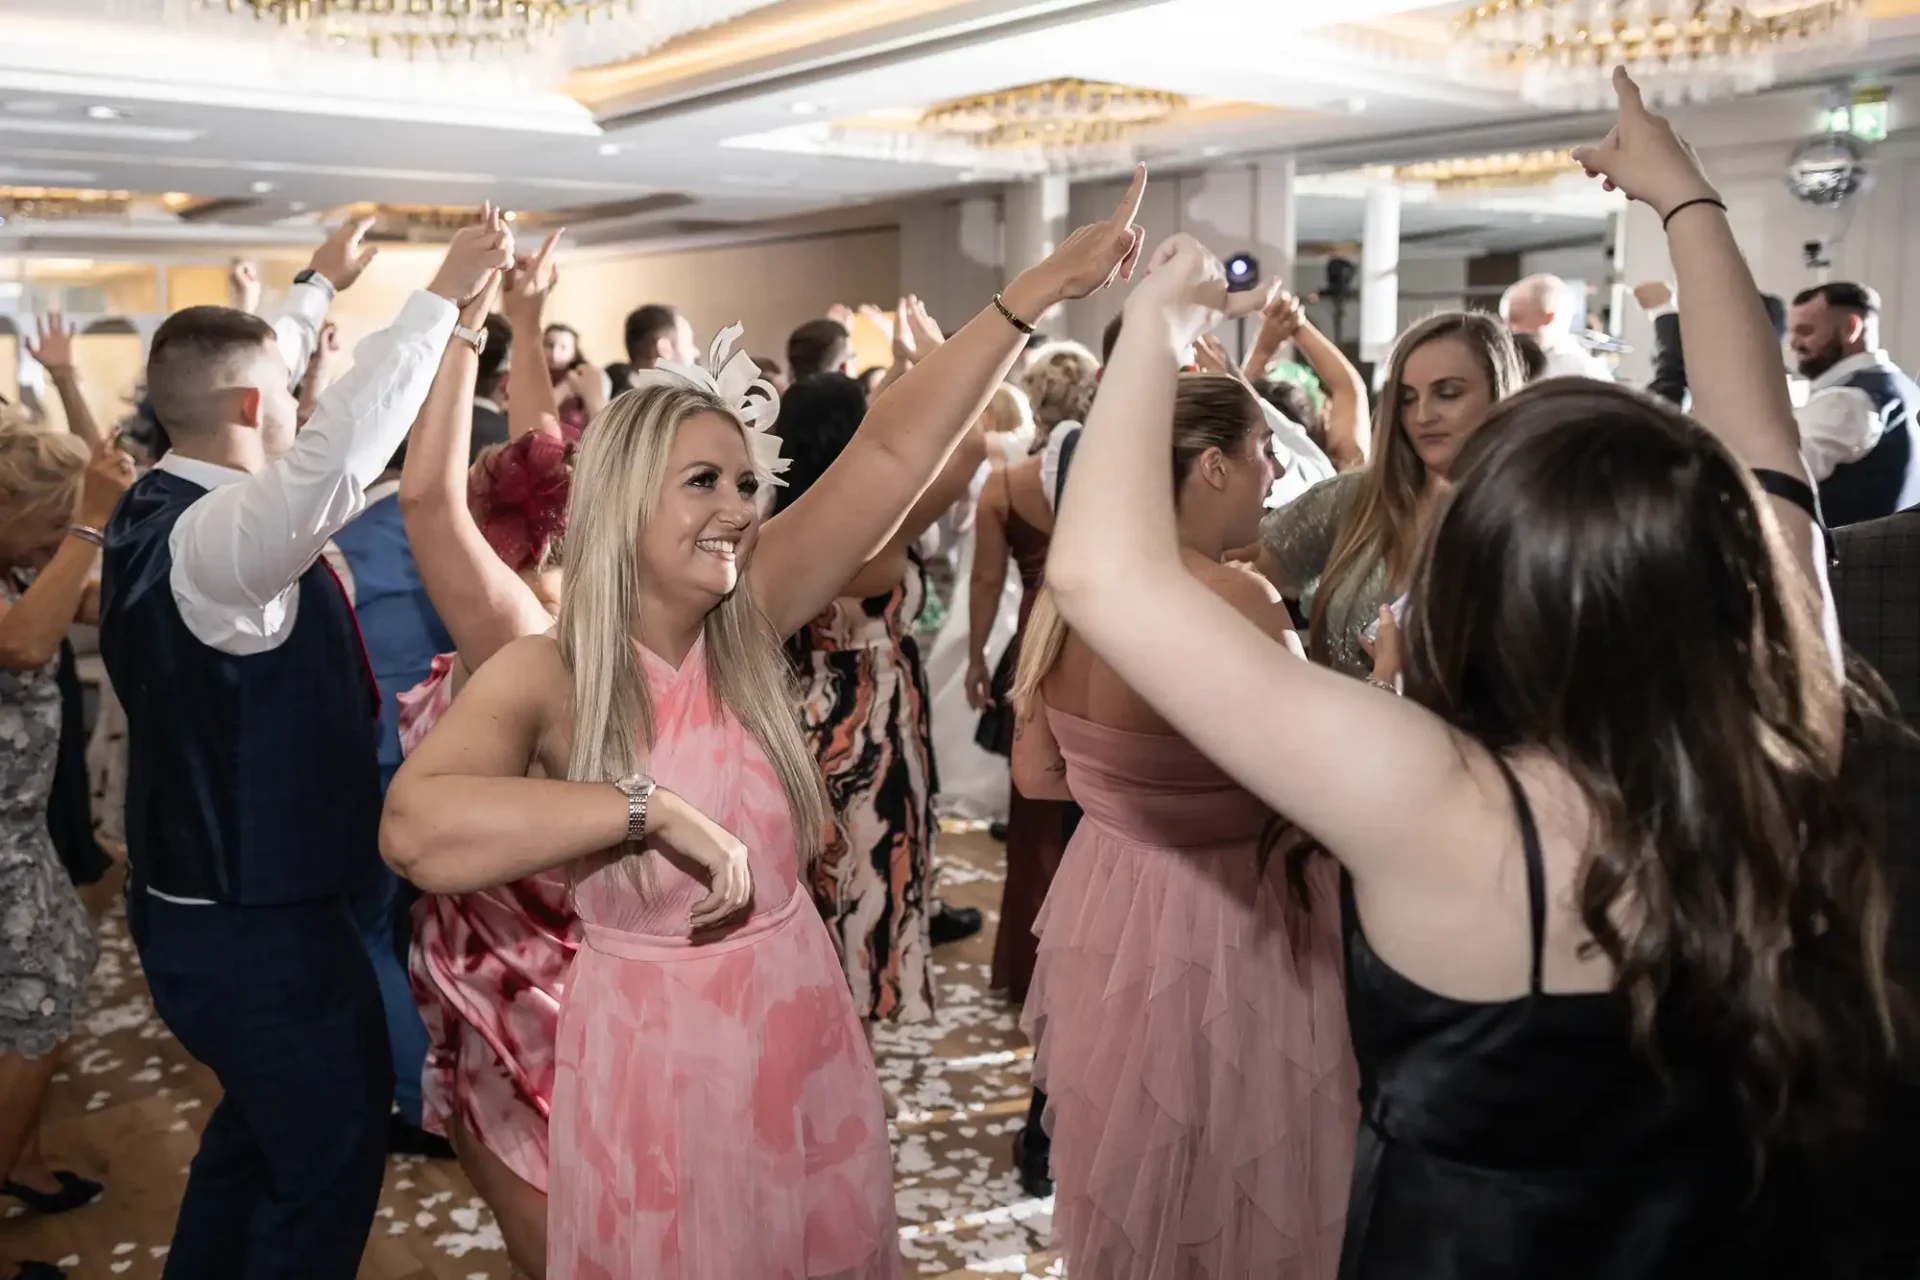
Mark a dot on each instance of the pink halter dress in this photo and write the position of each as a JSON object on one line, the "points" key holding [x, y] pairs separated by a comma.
{"points": [[716, 1113]]}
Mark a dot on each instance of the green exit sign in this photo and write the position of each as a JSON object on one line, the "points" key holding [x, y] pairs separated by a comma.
{"points": [[1865, 118]]}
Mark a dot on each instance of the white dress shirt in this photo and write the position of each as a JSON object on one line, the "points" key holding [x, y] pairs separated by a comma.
{"points": [[298, 328], [1840, 424], [239, 551], [1566, 358]]}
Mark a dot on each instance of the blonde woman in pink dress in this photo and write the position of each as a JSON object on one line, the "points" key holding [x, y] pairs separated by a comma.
{"points": [[716, 1114], [489, 967], [1188, 1018]]}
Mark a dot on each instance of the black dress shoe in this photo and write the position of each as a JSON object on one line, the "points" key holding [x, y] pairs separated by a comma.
{"points": [[998, 830], [75, 1192], [951, 924], [405, 1139], [1030, 1161]]}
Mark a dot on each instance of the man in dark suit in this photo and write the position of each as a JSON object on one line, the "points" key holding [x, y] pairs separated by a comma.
{"points": [[1874, 1232], [1669, 358]]}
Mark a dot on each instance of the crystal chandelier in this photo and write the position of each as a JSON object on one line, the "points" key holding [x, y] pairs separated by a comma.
{"points": [[1070, 122], [439, 27], [1564, 51]]}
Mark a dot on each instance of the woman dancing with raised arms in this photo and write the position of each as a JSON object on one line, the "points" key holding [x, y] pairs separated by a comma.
{"points": [[1612, 936], [489, 967], [715, 1111]]}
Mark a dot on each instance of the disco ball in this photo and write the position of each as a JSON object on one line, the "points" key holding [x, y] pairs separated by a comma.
{"points": [[1826, 171]]}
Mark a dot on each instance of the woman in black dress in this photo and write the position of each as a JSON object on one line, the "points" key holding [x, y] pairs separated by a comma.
{"points": [[1613, 933]]}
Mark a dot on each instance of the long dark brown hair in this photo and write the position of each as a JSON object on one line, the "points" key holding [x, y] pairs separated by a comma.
{"points": [[1606, 585], [1382, 524]]}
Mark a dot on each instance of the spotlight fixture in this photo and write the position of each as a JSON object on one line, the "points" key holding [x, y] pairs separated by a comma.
{"points": [[1243, 273], [98, 112], [611, 148], [260, 188]]}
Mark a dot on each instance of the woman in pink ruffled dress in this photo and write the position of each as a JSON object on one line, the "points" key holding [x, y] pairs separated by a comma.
{"points": [[489, 967], [1188, 1017], [716, 1113]]}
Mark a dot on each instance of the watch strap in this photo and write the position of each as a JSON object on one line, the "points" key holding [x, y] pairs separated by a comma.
{"points": [[475, 338], [312, 277]]}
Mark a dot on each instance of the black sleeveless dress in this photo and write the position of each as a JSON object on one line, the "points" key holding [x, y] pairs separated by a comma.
{"points": [[1530, 1140]]}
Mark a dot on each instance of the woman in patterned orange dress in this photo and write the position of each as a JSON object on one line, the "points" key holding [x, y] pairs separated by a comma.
{"points": [[865, 708]]}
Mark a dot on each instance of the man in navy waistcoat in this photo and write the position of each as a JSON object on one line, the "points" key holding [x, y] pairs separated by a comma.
{"points": [[1857, 426], [253, 789]]}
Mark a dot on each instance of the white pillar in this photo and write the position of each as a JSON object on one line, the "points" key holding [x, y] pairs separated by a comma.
{"points": [[1276, 218], [1035, 222], [1380, 272]]}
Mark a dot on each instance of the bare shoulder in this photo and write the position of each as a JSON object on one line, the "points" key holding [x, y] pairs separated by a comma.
{"points": [[526, 669], [1250, 594]]}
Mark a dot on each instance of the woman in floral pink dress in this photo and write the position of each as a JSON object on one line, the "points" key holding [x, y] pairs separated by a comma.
{"points": [[488, 967], [716, 1114]]}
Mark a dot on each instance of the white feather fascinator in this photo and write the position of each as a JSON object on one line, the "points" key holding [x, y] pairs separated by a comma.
{"points": [[735, 379]]}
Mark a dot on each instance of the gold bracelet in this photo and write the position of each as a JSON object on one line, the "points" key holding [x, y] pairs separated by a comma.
{"points": [[1000, 303]]}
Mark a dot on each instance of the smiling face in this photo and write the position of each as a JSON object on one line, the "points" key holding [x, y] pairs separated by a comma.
{"points": [[707, 518], [1444, 396], [562, 349]]}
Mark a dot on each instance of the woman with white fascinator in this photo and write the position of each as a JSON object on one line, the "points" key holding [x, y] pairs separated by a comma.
{"points": [[715, 1110]]}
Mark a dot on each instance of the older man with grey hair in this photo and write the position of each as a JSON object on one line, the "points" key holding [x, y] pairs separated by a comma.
{"points": [[1542, 307]]}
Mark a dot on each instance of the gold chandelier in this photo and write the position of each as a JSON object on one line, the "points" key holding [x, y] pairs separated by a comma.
{"points": [[1680, 50], [1513, 169], [439, 27], [43, 204], [1055, 115]]}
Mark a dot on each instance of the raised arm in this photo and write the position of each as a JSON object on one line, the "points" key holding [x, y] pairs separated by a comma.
{"points": [[483, 604], [1734, 367], [1349, 430], [810, 550], [880, 573], [285, 512], [335, 265], [532, 402], [52, 347], [1220, 679]]}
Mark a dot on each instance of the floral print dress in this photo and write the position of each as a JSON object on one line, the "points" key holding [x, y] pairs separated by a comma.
{"points": [[47, 947]]}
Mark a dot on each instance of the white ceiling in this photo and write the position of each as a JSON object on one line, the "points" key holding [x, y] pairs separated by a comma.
{"points": [[218, 115]]}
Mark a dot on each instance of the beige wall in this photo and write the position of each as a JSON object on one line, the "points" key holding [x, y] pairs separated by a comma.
{"points": [[771, 288]]}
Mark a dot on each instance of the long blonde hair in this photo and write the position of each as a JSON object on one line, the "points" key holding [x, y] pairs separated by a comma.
{"points": [[616, 491], [1210, 411], [39, 468], [1381, 526]]}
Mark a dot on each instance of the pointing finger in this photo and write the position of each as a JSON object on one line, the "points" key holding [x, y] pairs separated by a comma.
{"points": [[1129, 207]]}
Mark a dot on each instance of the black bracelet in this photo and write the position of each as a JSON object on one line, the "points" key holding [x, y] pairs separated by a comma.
{"points": [[1012, 319], [1715, 201]]}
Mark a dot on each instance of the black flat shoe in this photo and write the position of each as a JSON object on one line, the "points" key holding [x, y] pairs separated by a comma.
{"points": [[39, 1271], [405, 1139], [75, 1192], [998, 830], [1030, 1161], [951, 924]]}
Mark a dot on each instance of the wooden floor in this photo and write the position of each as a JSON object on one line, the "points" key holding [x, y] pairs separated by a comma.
{"points": [[128, 1104]]}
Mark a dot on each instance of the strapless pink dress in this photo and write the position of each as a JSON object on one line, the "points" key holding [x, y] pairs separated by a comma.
{"points": [[488, 969], [1190, 1029], [716, 1113]]}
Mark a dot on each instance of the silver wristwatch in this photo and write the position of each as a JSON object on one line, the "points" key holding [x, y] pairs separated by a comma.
{"points": [[638, 789]]}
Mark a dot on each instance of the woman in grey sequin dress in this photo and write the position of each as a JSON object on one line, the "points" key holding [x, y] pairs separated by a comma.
{"points": [[48, 486], [1344, 547]]}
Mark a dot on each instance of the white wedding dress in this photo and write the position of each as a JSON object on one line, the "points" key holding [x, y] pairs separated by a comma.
{"points": [[974, 784]]}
